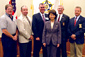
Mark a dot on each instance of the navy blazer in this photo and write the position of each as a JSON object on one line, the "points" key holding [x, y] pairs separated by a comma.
{"points": [[53, 35], [37, 25], [64, 26], [78, 30]]}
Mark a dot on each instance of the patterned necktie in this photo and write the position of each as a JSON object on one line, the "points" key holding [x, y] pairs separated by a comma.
{"points": [[58, 18], [43, 17], [75, 22]]}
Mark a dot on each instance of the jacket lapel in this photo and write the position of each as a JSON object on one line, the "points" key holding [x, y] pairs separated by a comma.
{"points": [[49, 24], [78, 21], [62, 18], [73, 21], [40, 16]]}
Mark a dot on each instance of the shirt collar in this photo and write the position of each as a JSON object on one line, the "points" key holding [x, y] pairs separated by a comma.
{"points": [[9, 16], [77, 17], [60, 14], [23, 16], [42, 14]]}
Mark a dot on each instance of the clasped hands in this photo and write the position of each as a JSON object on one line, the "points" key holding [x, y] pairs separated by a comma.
{"points": [[73, 36]]}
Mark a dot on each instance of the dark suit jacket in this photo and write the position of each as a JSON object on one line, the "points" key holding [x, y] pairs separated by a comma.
{"points": [[37, 25], [77, 30], [64, 25], [53, 35]]}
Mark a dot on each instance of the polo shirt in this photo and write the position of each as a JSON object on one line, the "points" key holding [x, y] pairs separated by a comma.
{"points": [[7, 23]]}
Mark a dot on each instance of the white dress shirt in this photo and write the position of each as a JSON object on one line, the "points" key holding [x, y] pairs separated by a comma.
{"points": [[60, 17], [77, 18]]}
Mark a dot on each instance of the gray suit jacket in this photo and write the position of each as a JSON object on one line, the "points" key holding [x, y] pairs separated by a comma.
{"points": [[53, 35], [25, 29]]}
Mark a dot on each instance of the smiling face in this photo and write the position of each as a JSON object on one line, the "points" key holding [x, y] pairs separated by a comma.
{"points": [[24, 10], [60, 9], [42, 8], [77, 11], [9, 10], [52, 16]]}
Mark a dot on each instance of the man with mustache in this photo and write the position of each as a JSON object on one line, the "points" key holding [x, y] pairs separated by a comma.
{"points": [[76, 32], [9, 32]]}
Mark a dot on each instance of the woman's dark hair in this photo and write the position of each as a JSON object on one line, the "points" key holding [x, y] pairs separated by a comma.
{"points": [[53, 12]]}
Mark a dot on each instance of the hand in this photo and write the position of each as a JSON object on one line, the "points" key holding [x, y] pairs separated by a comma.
{"points": [[44, 44], [31, 37], [38, 39], [15, 38], [58, 45], [73, 36]]}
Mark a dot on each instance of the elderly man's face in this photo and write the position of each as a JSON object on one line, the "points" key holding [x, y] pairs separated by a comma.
{"points": [[60, 10], [9, 10], [24, 11]]}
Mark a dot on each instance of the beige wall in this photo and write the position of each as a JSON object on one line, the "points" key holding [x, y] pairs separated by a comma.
{"points": [[70, 5], [20, 3], [2, 7]]}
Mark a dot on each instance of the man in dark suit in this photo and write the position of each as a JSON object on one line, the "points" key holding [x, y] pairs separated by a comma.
{"points": [[76, 33], [37, 27], [64, 20]]}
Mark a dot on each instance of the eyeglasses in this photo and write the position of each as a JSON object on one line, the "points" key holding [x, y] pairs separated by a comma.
{"points": [[42, 7]]}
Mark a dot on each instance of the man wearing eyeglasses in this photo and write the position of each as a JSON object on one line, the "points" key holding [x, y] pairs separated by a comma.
{"points": [[37, 27], [9, 32]]}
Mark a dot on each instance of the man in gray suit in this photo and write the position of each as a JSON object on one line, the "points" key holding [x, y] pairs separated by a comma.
{"points": [[25, 33]]}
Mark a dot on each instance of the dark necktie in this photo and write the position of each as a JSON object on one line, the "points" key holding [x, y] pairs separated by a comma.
{"points": [[58, 18], [43, 17], [75, 22], [28, 20]]}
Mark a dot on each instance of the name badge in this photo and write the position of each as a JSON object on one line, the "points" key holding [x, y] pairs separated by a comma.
{"points": [[80, 25], [63, 24]]}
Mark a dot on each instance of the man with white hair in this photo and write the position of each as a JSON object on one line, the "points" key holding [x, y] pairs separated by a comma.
{"points": [[64, 20]]}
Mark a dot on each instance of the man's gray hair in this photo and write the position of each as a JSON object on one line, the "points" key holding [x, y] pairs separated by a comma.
{"points": [[61, 6], [23, 6]]}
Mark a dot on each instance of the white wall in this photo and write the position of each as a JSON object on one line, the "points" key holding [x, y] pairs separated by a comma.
{"points": [[70, 5]]}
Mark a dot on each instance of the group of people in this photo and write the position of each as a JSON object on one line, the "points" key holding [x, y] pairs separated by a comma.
{"points": [[50, 31]]}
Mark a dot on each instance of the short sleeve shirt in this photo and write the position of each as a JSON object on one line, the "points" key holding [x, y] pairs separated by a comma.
{"points": [[7, 23]]}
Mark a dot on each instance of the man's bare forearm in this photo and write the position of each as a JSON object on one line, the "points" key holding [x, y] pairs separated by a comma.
{"points": [[7, 33]]}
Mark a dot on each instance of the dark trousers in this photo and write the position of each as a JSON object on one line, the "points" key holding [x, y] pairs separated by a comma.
{"points": [[37, 47], [9, 46], [63, 48], [51, 50], [25, 49]]}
